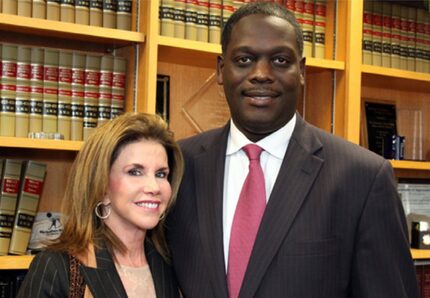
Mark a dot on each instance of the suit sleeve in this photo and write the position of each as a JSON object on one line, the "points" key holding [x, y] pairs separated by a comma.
{"points": [[46, 277], [382, 264]]}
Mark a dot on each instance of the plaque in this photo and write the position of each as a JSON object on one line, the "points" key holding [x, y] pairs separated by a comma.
{"points": [[207, 108], [163, 97], [381, 124]]}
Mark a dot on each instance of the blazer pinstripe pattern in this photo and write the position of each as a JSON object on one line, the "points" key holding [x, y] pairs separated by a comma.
{"points": [[48, 276], [333, 227]]}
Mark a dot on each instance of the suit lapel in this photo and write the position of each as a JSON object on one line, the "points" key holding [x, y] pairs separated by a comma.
{"points": [[104, 280], [209, 173], [299, 169]]}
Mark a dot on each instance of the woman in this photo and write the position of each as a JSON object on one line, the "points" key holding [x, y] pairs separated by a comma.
{"points": [[121, 185]]}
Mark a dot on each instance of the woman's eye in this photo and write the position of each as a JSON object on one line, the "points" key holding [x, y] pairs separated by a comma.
{"points": [[135, 172], [162, 174]]}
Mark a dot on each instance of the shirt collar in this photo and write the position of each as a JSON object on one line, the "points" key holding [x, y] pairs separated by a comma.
{"points": [[275, 144]]}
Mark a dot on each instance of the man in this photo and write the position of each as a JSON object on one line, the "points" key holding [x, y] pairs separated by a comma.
{"points": [[333, 225]]}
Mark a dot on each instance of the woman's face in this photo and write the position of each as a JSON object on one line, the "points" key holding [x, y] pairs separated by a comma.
{"points": [[138, 192]]}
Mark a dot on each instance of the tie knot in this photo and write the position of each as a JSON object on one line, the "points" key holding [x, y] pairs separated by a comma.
{"points": [[253, 151]]}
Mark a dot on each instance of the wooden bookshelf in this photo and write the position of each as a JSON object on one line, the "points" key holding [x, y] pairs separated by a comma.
{"points": [[15, 262]]}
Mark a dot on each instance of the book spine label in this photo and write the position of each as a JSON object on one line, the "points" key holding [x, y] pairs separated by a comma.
{"points": [[77, 106], [109, 13], [23, 91], [386, 34], [191, 19], [82, 12], [96, 13], [91, 96], [39, 9], [308, 27], [118, 86], [67, 11], [395, 35], [320, 28], [64, 94], [367, 45], [50, 91], [202, 21], [377, 33], [412, 25], [179, 18], [8, 90], [404, 39], [123, 14], [167, 15], [420, 41], [215, 10], [105, 99]]}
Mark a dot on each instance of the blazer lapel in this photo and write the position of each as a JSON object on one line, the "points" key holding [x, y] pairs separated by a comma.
{"points": [[104, 280], [299, 169], [209, 173]]}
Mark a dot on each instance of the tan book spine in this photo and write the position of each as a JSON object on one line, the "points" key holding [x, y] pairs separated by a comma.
{"points": [[24, 8], [167, 12], [8, 90], [308, 28], [386, 34], [320, 28], [53, 10], [8, 197], [202, 21], [179, 18], [39, 9], [367, 46], [395, 35], [82, 12], [36, 84], [118, 86], [109, 13], [96, 13], [404, 38], [91, 93], [67, 11], [77, 107], [50, 90], [10, 6], [227, 11], [105, 94], [420, 41], [65, 93], [190, 19], [23, 92], [215, 20], [30, 190], [238, 3], [377, 33], [123, 14], [412, 30]]}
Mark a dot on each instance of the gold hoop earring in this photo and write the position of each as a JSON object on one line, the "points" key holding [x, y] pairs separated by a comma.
{"points": [[97, 212]]}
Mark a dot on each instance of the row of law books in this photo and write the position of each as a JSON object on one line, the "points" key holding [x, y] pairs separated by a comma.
{"points": [[203, 20], [55, 93], [396, 36], [21, 188], [102, 13], [423, 279]]}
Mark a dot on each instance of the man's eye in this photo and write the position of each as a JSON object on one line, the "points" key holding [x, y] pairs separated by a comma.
{"points": [[280, 61], [243, 60], [162, 174], [135, 172]]}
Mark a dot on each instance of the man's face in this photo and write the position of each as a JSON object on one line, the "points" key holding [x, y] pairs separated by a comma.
{"points": [[262, 74]]}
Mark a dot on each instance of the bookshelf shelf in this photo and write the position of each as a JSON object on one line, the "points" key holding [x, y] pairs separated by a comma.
{"points": [[41, 27], [13, 142], [189, 44], [395, 73], [15, 262], [410, 165], [420, 254]]}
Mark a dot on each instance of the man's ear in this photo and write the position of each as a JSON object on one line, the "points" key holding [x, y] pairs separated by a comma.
{"points": [[302, 70], [219, 68]]}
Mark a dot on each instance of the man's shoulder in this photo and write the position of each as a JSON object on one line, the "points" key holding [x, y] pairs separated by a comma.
{"points": [[205, 138]]}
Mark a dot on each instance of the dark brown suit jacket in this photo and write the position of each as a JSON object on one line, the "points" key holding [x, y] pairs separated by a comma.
{"points": [[333, 226], [48, 276]]}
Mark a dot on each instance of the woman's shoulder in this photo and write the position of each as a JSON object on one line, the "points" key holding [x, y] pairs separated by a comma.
{"points": [[50, 259]]}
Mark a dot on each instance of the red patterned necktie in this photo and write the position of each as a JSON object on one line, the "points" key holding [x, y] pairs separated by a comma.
{"points": [[247, 217]]}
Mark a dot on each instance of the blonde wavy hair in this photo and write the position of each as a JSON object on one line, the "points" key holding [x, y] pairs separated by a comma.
{"points": [[89, 177]]}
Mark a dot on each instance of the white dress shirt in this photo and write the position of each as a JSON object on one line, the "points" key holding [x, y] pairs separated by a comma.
{"points": [[236, 169]]}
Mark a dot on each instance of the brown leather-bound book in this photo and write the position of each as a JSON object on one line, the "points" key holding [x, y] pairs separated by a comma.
{"points": [[53, 10], [215, 10], [36, 85], [23, 91], [96, 13], [91, 93], [82, 12], [109, 13], [50, 90], [123, 14], [10, 177], [9, 6], [24, 8], [39, 9], [105, 92], [8, 90], [118, 86], [77, 106], [67, 11], [65, 93], [30, 190]]}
